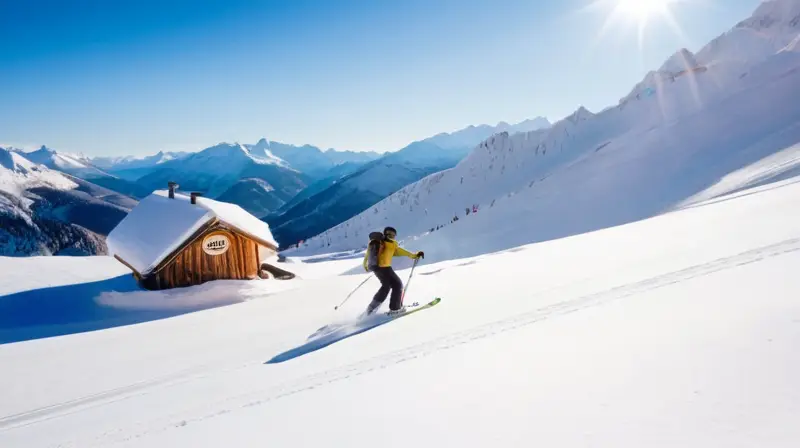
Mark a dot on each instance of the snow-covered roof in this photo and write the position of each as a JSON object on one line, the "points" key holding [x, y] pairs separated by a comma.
{"points": [[160, 225]]}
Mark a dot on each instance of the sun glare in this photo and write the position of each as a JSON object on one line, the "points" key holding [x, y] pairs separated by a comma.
{"points": [[638, 14], [642, 10]]}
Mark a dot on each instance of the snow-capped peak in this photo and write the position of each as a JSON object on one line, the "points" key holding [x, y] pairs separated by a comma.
{"points": [[531, 124], [225, 150], [261, 149], [46, 156], [17, 174], [262, 153], [13, 161], [582, 114], [679, 62], [237, 151], [227, 158], [75, 164], [472, 135]]}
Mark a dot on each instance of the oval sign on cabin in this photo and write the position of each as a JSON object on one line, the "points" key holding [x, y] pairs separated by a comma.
{"points": [[216, 244]]}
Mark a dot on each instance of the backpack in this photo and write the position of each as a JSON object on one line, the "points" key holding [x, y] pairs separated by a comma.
{"points": [[373, 249]]}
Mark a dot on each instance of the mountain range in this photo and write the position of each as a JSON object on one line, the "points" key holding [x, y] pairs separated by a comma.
{"points": [[85, 168], [44, 211], [299, 189], [338, 199], [132, 168]]}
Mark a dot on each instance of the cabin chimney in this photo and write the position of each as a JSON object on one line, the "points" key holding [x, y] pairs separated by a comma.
{"points": [[172, 186], [194, 196]]}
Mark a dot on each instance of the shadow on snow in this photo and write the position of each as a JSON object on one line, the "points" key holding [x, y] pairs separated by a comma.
{"points": [[315, 342], [325, 336], [69, 309]]}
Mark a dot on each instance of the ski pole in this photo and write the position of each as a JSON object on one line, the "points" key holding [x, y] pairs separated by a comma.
{"points": [[409, 279], [352, 292]]}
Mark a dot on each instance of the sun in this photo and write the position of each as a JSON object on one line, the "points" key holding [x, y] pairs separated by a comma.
{"points": [[637, 13], [643, 10]]}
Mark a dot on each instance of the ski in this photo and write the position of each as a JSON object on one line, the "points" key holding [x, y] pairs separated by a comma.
{"points": [[413, 308]]}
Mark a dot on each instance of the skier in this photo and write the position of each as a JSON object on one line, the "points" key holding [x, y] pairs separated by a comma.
{"points": [[378, 259]]}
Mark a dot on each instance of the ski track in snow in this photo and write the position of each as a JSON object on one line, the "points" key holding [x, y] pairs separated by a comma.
{"points": [[323, 378], [100, 399]]}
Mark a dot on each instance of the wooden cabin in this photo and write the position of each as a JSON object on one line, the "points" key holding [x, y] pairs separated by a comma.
{"points": [[170, 240]]}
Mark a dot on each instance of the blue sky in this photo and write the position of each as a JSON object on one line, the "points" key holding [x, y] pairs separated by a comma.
{"points": [[136, 77]]}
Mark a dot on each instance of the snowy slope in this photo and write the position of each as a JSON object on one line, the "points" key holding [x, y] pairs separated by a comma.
{"points": [[644, 156], [655, 334]]}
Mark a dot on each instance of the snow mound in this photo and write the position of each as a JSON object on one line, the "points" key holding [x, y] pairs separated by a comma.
{"points": [[207, 295]]}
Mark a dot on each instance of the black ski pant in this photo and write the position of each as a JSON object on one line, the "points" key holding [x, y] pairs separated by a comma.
{"points": [[389, 281]]}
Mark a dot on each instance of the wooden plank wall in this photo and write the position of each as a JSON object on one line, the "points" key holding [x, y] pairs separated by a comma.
{"points": [[192, 266]]}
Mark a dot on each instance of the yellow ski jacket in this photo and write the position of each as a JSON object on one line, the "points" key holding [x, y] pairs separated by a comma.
{"points": [[388, 249]]}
